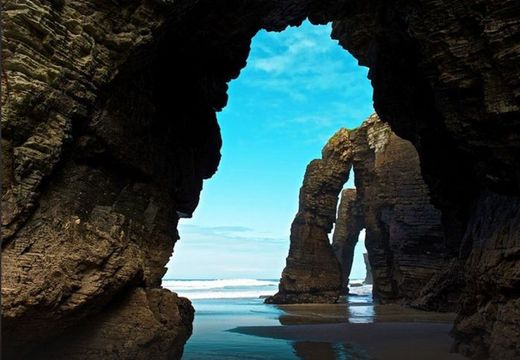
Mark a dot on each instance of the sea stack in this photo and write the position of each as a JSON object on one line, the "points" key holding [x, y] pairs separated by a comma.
{"points": [[313, 273], [404, 235], [349, 223]]}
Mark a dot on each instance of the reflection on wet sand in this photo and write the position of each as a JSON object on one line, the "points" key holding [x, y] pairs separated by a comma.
{"points": [[360, 330], [355, 313]]}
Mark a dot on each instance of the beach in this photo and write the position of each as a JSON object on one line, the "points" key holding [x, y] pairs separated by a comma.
{"points": [[384, 340], [232, 322]]}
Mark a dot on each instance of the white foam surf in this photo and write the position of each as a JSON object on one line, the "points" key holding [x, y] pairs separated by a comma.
{"points": [[238, 288], [180, 285], [227, 295]]}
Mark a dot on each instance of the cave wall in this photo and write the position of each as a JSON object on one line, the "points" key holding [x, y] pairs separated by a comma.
{"points": [[96, 171], [445, 77], [109, 128]]}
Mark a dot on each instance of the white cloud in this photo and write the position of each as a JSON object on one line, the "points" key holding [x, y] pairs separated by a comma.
{"points": [[273, 64], [241, 235], [300, 63], [296, 52]]}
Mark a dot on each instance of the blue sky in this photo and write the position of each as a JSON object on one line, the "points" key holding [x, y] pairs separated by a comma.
{"points": [[298, 89]]}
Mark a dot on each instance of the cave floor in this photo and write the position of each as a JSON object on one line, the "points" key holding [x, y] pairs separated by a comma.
{"points": [[358, 330]]}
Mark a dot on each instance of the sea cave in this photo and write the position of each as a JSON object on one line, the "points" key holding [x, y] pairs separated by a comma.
{"points": [[109, 129]]}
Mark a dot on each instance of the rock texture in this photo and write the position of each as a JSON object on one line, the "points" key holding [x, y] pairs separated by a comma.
{"points": [[488, 322], [142, 324], [313, 274], [453, 91], [404, 236], [369, 279], [105, 99], [95, 173], [349, 223]]}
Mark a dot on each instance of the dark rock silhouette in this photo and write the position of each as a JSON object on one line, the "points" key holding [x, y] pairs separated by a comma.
{"points": [[404, 236], [369, 280]]}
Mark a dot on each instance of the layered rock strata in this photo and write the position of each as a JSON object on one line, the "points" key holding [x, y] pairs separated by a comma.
{"points": [[349, 223], [95, 174], [445, 77], [313, 274], [404, 237]]}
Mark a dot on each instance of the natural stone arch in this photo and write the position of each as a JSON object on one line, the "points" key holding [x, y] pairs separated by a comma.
{"points": [[404, 237], [313, 274]]}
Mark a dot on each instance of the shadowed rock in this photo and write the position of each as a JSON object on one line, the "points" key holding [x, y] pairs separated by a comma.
{"points": [[404, 237], [369, 280], [312, 273], [349, 223]]}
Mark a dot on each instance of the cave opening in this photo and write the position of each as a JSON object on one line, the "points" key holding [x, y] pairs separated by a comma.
{"points": [[360, 274], [348, 243], [298, 88]]}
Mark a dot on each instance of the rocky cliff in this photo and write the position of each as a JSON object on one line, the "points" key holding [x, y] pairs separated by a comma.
{"points": [[350, 221], [87, 224], [404, 236], [313, 274], [108, 128]]}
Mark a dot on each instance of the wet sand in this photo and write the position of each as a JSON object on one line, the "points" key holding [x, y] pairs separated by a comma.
{"points": [[396, 332], [357, 329], [385, 340], [356, 312]]}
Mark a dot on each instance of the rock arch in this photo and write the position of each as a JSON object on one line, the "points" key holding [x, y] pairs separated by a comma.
{"points": [[404, 236]]}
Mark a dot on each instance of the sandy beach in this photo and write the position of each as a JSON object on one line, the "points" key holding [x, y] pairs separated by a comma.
{"points": [[357, 329], [361, 330]]}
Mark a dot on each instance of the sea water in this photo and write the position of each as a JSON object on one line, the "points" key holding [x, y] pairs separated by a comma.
{"points": [[222, 305]]}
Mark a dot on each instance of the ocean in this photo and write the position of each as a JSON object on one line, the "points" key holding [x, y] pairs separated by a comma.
{"points": [[241, 288], [223, 305], [222, 288]]}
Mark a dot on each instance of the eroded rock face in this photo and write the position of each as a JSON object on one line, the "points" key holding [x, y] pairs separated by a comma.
{"points": [[312, 273], [142, 324], [404, 236], [453, 91], [445, 77], [95, 174], [487, 325], [349, 223], [369, 279]]}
